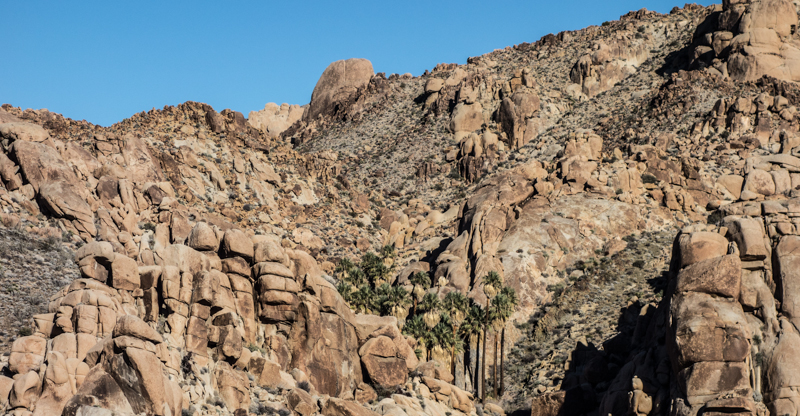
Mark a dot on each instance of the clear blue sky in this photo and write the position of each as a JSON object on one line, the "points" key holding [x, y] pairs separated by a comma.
{"points": [[105, 60]]}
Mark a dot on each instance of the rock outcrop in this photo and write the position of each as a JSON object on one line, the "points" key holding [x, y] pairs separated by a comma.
{"points": [[338, 83], [752, 39], [274, 119]]}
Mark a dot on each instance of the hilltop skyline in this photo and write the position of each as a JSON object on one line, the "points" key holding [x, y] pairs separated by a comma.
{"points": [[104, 62]]}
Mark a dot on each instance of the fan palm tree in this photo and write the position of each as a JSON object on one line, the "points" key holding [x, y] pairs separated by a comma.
{"points": [[509, 306], [374, 268], [431, 305], [471, 330], [421, 282], [456, 306], [395, 303], [498, 303], [343, 269], [416, 328], [346, 291], [503, 306], [443, 335], [362, 299], [492, 283], [388, 255]]}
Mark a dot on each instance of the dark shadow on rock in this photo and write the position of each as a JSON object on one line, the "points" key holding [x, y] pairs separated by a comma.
{"points": [[681, 59]]}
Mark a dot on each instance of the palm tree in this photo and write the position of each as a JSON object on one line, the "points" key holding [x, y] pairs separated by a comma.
{"points": [[496, 321], [471, 330], [416, 328], [362, 299], [431, 305], [421, 283], [374, 268], [345, 290], [396, 303], [455, 305], [492, 283], [443, 335], [503, 306], [510, 302], [343, 269], [388, 255]]}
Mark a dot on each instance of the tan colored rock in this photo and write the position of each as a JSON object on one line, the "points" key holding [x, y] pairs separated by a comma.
{"points": [[85, 319], [339, 407], [63, 200], [23, 131], [197, 336], [748, 234], [203, 238], [365, 393], [25, 391], [762, 46], [125, 274], [66, 344], [759, 182], [133, 326], [306, 238], [230, 343], [434, 85], [6, 384], [787, 273], [41, 164], [338, 83], [185, 258], [404, 350], [268, 250], [235, 265], [721, 276], [708, 329], [783, 372], [100, 389], [274, 119], [233, 386], [514, 114], [705, 380], [103, 251], [272, 269], [267, 372], [700, 246], [332, 371], [301, 402], [383, 367], [732, 184], [27, 354], [150, 378], [466, 118], [236, 243]]}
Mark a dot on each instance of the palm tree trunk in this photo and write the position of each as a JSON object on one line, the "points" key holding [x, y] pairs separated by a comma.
{"points": [[453, 355], [477, 375], [467, 357], [494, 369], [502, 359], [453, 362], [483, 369]]}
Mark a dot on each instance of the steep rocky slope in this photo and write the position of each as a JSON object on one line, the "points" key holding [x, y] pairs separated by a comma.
{"points": [[206, 244]]}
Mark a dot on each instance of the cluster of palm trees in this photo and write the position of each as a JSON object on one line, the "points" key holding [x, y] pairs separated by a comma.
{"points": [[365, 287], [442, 326]]}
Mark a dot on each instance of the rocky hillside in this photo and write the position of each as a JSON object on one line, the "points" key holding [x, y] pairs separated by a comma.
{"points": [[628, 190]]}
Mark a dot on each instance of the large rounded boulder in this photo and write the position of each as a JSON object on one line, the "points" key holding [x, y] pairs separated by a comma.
{"points": [[338, 83]]}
